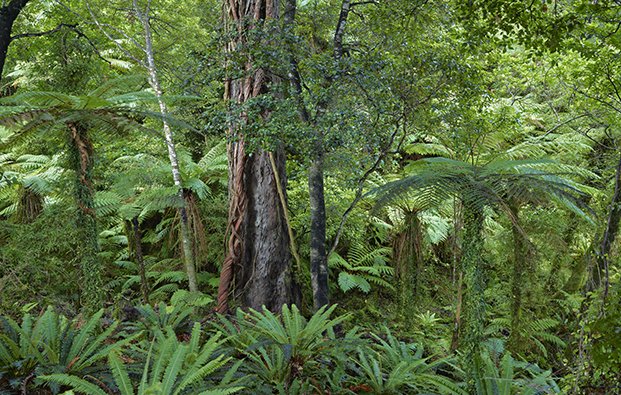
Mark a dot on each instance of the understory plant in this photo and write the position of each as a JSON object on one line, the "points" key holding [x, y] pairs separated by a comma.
{"points": [[53, 344]]}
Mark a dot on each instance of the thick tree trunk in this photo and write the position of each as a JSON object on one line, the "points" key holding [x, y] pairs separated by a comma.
{"points": [[258, 249], [264, 276], [8, 14], [81, 155]]}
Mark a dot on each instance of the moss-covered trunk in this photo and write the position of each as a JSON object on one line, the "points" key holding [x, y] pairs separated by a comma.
{"points": [[408, 259], [81, 156], [474, 307]]}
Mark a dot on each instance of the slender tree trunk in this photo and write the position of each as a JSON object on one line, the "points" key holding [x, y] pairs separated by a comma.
{"points": [[458, 308], [139, 258], [318, 251], [8, 15], [318, 257], [458, 271], [188, 256], [520, 265], [81, 154], [601, 271], [258, 253]]}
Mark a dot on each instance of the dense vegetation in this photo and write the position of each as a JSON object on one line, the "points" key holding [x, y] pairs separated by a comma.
{"points": [[314, 196]]}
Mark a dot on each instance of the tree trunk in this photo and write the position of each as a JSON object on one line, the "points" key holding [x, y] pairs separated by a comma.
{"points": [[474, 298], [318, 257], [139, 258], [188, 256], [457, 318], [8, 14], [409, 260], [258, 248], [601, 272], [520, 265], [81, 154], [318, 251]]}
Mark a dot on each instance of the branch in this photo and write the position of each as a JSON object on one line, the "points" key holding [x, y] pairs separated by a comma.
{"points": [[45, 33], [558, 125], [70, 26], [102, 27], [363, 3], [340, 29], [361, 182]]}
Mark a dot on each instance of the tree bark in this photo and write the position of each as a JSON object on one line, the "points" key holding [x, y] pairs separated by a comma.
{"points": [[186, 243], [258, 255], [81, 155], [520, 264], [474, 308], [318, 251], [409, 260], [8, 15], [318, 256], [139, 258], [601, 272]]}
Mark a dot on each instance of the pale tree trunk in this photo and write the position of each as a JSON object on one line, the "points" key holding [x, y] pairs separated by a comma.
{"points": [[188, 256], [258, 255]]}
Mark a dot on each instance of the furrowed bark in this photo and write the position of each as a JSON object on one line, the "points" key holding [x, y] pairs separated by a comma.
{"points": [[258, 256]]}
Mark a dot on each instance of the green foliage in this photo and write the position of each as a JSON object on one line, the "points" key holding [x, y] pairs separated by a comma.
{"points": [[171, 367], [364, 265], [391, 366], [500, 374], [50, 344], [533, 335]]}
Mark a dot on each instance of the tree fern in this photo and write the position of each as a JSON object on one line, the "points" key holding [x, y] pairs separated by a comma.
{"points": [[364, 265]]}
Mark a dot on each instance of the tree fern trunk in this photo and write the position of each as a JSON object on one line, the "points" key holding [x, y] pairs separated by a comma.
{"points": [[29, 206], [474, 297], [409, 260], [81, 154]]}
